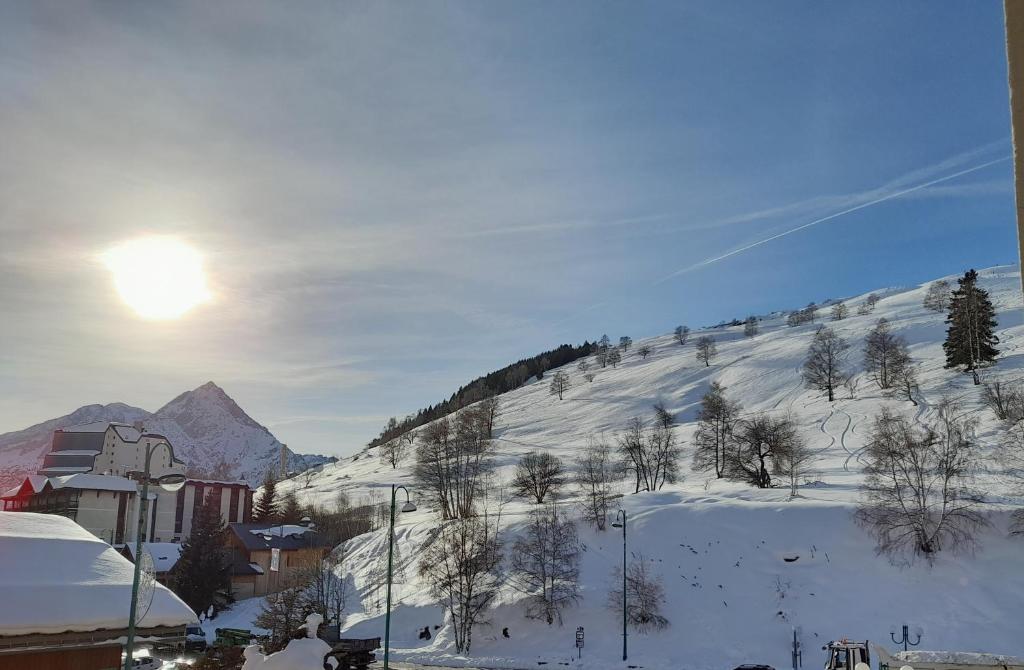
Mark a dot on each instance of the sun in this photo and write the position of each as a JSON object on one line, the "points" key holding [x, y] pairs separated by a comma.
{"points": [[159, 277]]}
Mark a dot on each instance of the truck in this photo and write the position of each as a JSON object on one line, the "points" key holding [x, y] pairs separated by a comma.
{"points": [[353, 653], [847, 655]]}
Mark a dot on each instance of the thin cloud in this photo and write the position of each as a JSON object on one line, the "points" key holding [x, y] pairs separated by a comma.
{"points": [[874, 201]]}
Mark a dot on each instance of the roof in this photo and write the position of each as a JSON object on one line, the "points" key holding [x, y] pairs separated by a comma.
{"points": [[254, 541], [93, 482], [165, 554], [240, 566], [62, 578], [240, 482]]}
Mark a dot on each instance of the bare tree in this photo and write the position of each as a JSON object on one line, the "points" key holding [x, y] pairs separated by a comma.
{"points": [[308, 475], [794, 460], [750, 326], [917, 496], [589, 377], [644, 351], [454, 458], [625, 342], [327, 591], [1010, 458], [938, 296], [839, 311], [394, 451], [462, 567], [614, 357], [868, 306], [758, 445], [583, 366], [826, 357], [652, 456], [595, 475], [645, 595], [546, 565], [282, 613], [706, 349], [1004, 399], [664, 417], [682, 333], [904, 377], [604, 347], [716, 420], [538, 474], [882, 352], [559, 384]]}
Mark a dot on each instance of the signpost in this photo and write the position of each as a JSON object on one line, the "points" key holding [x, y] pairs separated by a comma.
{"points": [[579, 642]]}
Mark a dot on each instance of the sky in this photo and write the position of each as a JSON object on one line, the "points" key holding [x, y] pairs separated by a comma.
{"points": [[391, 199]]}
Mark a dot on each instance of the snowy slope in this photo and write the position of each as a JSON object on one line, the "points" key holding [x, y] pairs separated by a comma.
{"points": [[208, 430], [718, 545]]}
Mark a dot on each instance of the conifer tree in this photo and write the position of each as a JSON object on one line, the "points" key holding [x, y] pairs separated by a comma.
{"points": [[970, 341], [266, 506], [291, 512], [202, 576]]}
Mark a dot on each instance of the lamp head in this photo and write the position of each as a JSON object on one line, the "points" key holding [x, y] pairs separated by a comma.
{"points": [[408, 506], [616, 524], [306, 522], [171, 482]]}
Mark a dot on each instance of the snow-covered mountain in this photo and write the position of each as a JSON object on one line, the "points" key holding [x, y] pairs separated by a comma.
{"points": [[208, 430], [741, 567]]}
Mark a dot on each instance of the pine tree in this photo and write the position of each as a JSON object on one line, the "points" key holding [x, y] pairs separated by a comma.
{"points": [[970, 340], [266, 505], [202, 576], [291, 512]]}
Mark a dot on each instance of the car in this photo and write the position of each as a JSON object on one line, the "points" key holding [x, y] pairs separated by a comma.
{"points": [[753, 666], [143, 660], [195, 638]]}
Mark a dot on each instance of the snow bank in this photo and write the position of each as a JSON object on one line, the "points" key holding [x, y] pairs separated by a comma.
{"points": [[59, 577], [304, 654]]}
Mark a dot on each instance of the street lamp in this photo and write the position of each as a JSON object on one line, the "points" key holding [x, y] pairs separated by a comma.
{"points": [[407, 507], [621, 514], [169, 482], [917, 632]]}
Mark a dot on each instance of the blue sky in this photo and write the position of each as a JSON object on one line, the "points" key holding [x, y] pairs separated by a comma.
{"points": [[395, 198]]}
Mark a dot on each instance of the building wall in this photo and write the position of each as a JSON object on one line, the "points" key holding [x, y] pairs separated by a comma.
{"points": [[91, 658], [292, 563]]}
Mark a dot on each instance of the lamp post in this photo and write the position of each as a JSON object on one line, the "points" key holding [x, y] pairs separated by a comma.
{"points": [[621, 514], [168, 482], [407, 507], [906, 636]]}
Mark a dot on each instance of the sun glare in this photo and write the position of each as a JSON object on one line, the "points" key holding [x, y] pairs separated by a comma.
{"points": [[158, 277]]}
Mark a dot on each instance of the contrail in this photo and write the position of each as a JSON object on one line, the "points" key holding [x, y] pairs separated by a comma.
{"points": [[766, 240]]}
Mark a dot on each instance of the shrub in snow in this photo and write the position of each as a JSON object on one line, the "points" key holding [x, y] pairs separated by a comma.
{"points": [[917, 494], [645, 595], [546, 565]]}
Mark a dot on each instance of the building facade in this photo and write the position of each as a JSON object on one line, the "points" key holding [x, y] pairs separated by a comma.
{"points": [[267, 559], [85, 478]]}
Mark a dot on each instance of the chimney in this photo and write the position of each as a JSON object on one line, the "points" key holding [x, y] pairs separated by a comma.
{"points": [[138, 425]]}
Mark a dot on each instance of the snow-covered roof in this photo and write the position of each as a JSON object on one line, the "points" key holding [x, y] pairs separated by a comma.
{"points": [[67, 468], [58, 577], [94, 427], [281, 531], [93, 482], [217, 482], [165, 554]]}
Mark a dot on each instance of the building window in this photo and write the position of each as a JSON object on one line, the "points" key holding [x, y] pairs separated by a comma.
{"points": [[179, 510], [213, 499], [233, 513]]}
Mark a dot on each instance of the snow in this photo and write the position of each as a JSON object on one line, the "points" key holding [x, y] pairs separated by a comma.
{"points": [[165, 554], [303, 654], [58, 577], [957, 657], [93, 427], [281, 531], [92, 482], [720, 546], [242, 614]]}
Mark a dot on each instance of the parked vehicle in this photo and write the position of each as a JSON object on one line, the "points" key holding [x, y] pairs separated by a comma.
{"points": [[143, 660], [354, 654], [195, 638]]}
